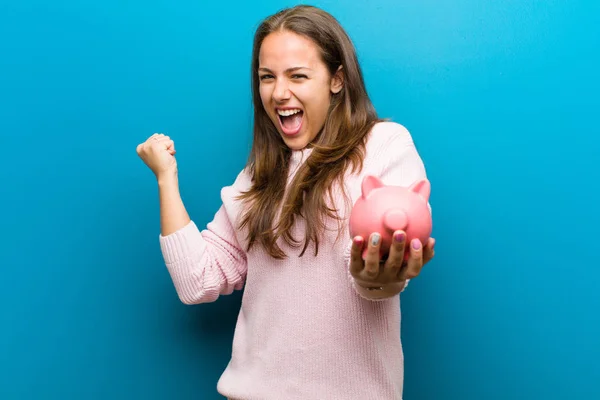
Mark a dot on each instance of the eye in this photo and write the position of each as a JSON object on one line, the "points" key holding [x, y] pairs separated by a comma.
{"points": [[266, 76], [299, 76]]}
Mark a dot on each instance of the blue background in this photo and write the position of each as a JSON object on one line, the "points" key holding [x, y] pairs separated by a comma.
{"points": [[502, 101]]}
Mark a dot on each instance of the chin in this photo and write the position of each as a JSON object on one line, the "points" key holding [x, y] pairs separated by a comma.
{"points": [[295, 143]]}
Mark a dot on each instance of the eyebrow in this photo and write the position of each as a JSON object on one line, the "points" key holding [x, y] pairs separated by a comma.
{"points": [[293, 69]]}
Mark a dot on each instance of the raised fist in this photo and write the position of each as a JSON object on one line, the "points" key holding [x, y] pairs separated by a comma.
{"points": [[158, 153]]}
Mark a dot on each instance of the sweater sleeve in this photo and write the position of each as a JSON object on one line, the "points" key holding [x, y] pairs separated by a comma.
{"points": [[205, 264], [395, 160]]}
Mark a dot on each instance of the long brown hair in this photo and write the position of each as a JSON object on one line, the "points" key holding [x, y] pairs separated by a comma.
{"points": [[339, 146]]}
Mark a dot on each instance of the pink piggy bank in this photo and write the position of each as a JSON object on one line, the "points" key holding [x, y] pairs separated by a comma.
{"points": [[386, 209]]}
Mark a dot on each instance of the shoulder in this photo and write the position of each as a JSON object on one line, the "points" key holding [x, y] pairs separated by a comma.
{"points": [[241, 183], [388, 138], [392, 156], [388, 133], [230, 198]]}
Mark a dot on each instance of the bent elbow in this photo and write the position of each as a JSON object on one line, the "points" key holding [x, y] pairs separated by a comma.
{"points": [[197, 297]]}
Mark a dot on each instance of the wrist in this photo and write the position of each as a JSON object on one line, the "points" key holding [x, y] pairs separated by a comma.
{"points": [[380, 291], [167, 179]]}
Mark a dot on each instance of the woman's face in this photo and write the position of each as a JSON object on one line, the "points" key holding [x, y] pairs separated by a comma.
{"points": [[295, 86]]}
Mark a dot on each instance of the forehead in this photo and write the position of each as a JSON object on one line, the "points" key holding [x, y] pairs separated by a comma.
{"points": [[282, 50]]}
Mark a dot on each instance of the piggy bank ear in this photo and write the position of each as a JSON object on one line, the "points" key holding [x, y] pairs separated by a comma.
{"points": [[422, 188], [369, 183]]}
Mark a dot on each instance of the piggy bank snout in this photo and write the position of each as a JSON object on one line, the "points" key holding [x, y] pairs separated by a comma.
{"points": [[395, 219]]}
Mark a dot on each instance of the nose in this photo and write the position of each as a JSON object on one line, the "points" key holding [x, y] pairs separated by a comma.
{"points": [[395, 219], [281, 92]]}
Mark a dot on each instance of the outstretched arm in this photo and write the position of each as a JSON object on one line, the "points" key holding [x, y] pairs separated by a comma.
{"points": [[397, 163]]}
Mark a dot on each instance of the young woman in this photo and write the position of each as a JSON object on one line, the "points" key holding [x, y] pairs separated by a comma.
{"points": [[317, 321]]}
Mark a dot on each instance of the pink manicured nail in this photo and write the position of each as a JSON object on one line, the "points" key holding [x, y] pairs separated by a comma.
{"points": [[416, 244], [399, 237]]}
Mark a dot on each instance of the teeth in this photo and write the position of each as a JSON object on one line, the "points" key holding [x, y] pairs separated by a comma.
{"points": [[287, 113]]}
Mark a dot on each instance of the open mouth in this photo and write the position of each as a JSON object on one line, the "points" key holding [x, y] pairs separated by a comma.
{"points": [[290, 120]]}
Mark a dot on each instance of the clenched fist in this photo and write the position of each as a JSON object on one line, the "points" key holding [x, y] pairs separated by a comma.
{"points": [[158, 153]]}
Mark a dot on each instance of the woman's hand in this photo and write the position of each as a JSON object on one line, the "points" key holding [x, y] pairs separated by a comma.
{"points": [[158, 153], [389, 275]]}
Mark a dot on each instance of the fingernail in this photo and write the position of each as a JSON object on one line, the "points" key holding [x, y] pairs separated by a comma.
{"points": [[375, 239], [358, 240], [416, 244], [399, 237]]}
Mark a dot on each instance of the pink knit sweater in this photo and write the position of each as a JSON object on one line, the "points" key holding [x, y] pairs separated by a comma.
{"points": [[303, 331]]}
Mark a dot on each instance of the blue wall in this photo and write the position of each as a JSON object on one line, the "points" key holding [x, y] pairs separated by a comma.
{"points": [[502, 100]]}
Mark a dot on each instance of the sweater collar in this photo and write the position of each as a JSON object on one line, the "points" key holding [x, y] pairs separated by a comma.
{"points": [[299, 156]]}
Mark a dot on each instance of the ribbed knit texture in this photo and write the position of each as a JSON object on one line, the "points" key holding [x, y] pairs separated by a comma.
{"points": [[303, 331]]}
